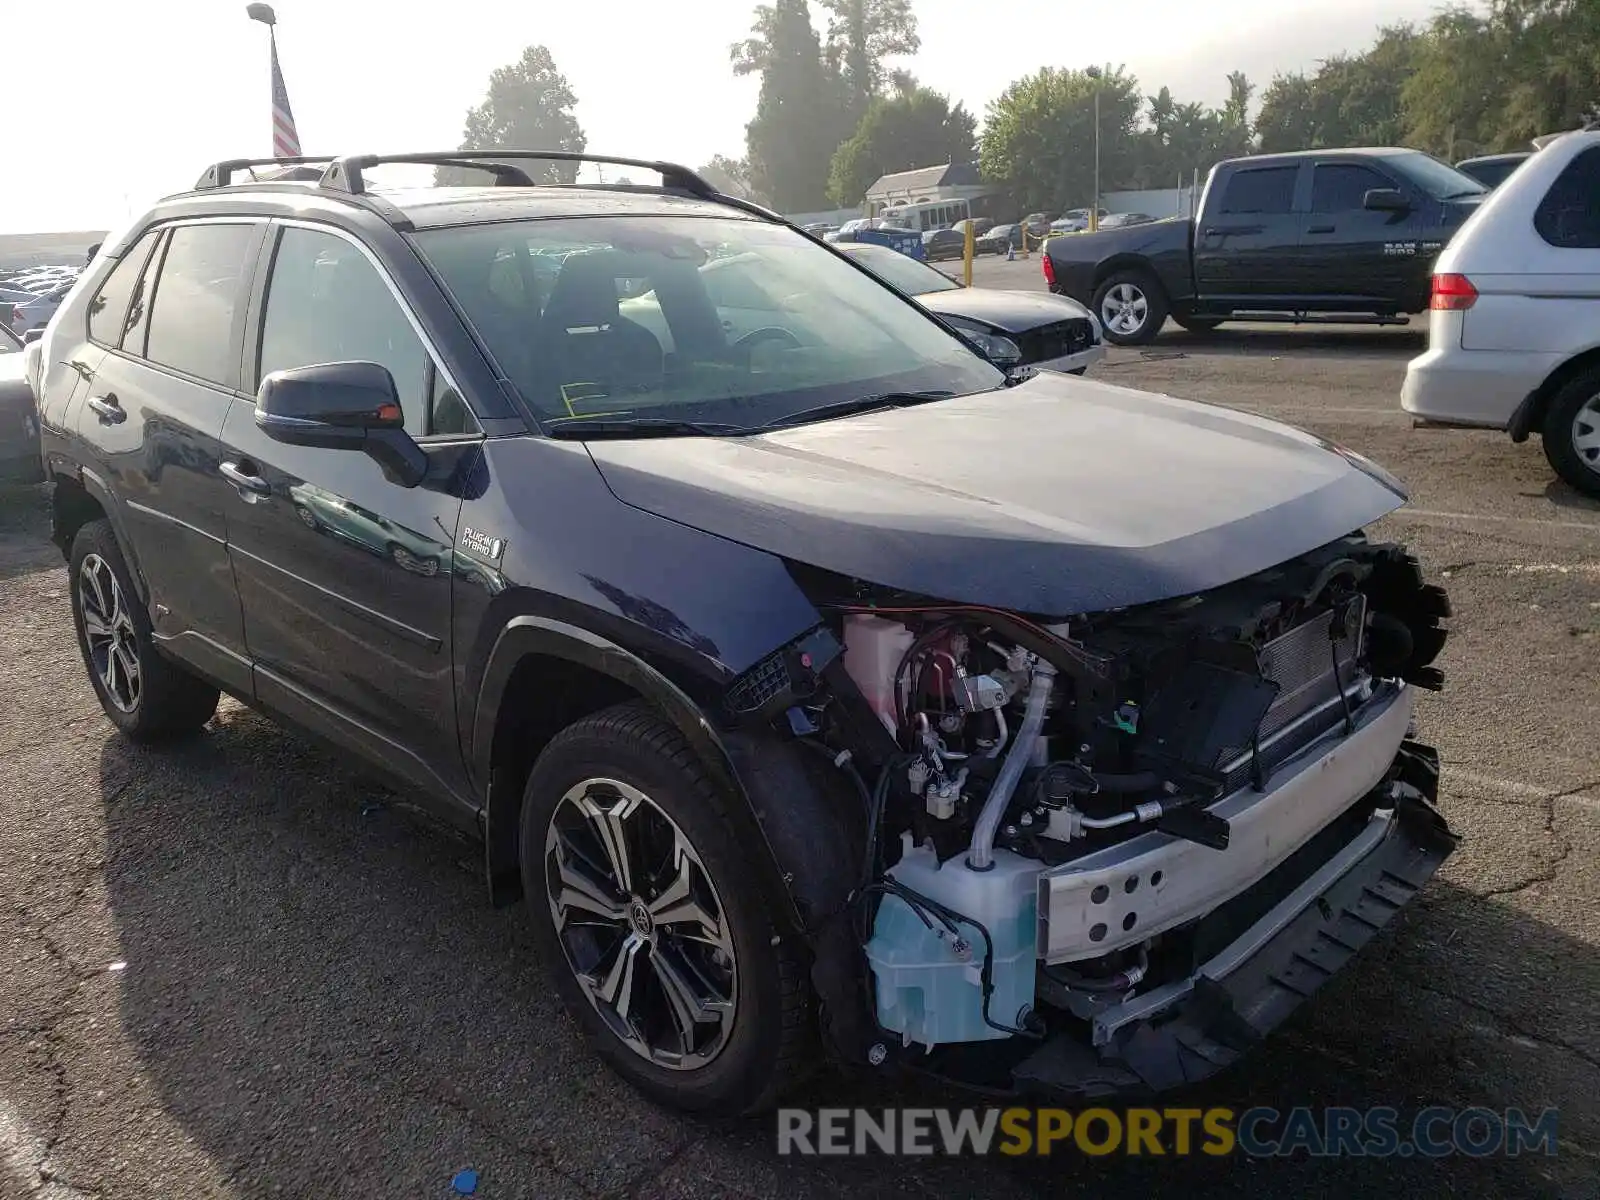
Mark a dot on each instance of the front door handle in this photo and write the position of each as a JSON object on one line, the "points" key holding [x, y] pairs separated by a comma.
{"points": [[243, 479], [1223, 230], [1320, 229], [107, 409]]}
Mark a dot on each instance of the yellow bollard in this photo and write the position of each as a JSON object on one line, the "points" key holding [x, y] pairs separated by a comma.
{"points": [[966, 257]]}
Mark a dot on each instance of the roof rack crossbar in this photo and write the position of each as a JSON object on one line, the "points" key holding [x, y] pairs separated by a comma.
{"points": [[346, 174], [220, 174]]}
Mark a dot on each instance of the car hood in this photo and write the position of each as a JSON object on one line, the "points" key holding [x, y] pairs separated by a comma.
{"points": [[1012, 312], [1056, 496]]}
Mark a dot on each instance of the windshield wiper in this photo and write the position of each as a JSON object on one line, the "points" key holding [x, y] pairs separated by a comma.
{"points": [[581, 429], [860, 404]]}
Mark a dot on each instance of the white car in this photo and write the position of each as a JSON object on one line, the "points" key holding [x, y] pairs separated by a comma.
{"points": [[1514, 323]]}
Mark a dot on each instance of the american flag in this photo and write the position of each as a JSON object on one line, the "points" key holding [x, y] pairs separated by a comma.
{"points": [[285, 141]]}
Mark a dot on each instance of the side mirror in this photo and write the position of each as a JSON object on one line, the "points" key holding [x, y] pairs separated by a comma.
{"points": [[342, 406], [1385, 200], [33, 335]]}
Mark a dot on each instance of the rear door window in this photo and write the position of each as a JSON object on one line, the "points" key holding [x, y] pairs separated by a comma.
{"points": [[198, 294], [112, 309], [1262, 191], [1569, 215]]}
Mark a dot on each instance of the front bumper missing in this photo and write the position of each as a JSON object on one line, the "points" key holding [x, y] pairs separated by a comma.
{"points": [[1126, 893], [1186, 1031]]}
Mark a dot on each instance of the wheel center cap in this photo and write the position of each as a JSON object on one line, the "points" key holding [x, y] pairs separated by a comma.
{"points": [[639, 916]]}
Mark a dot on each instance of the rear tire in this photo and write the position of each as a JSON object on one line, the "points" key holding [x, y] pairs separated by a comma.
{"points": [[1572, 433], [625, 929], [1131, 308], [144, 694]]}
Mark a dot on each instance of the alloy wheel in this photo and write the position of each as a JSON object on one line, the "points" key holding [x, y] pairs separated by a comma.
{"points": [[640, 922], [1124, 309], [1586, 434], [109, 633]]}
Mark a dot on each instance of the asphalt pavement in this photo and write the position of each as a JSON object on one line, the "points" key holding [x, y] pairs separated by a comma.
{"points": [[242, 968]]}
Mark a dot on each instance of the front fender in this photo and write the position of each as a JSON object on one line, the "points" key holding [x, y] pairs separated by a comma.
{"points": [[762, 818]]}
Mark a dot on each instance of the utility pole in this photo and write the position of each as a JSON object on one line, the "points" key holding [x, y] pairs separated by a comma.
{"points": [[1094, 73]]}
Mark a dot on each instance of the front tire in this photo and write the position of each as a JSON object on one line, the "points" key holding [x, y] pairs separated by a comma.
{"points": [[1132, 308], [145, 695], [651, 919], [1572, 433]]}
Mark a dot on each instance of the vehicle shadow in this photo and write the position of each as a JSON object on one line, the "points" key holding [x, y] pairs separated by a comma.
{"points": [[319, 994], [1564, 495], [1362, 341]]}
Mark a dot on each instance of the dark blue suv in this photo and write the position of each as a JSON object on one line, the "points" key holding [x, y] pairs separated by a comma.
{"points": [[820, 687]]}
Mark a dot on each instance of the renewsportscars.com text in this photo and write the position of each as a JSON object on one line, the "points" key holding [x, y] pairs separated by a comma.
{"points": [[1256, 1132]]}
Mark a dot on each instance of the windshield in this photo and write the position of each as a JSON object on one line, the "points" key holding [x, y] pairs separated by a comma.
{"points": [[1439, 180], [900, 272], [731, 322]]}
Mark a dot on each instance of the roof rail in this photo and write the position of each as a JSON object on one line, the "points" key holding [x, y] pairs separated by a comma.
{"points": [[346, 174], [220, 174]]}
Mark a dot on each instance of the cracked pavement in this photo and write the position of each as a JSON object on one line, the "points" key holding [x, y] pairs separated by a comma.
{"points": [[243, 969]]}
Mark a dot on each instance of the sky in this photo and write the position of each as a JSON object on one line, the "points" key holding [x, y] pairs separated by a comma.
{"points": [[123, 103]]}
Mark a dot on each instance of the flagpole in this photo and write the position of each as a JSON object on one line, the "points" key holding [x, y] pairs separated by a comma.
{"points": [[285, 137]]}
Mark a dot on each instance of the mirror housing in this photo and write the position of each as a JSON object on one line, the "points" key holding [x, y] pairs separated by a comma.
{"points": [[33, 335], [1385, 200], [342, 406]]}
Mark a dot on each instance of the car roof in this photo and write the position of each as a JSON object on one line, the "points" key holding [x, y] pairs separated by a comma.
{"points": [[1289, 156], [338, 189], [1512, 156]]}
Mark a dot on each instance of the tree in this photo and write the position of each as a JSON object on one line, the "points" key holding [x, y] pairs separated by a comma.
{"points": [[529, 107], [1351, 100], [800, 114], [731, 175], [1039, 135], [1492, 82], [861, 34], [916, 127]]}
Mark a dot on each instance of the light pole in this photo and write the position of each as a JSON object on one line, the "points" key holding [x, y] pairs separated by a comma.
{"points": [[1094, 208]]}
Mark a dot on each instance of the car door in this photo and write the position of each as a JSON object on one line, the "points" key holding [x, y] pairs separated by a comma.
{"points": [[170, 318], [1246, 244], [344, 576], [1347, 250]]}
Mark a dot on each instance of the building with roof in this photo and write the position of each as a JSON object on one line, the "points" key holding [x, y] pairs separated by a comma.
{"points": [[926, 185]]}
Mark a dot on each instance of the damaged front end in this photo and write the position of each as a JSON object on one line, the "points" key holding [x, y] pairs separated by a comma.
{"points": [[1109, 852]]}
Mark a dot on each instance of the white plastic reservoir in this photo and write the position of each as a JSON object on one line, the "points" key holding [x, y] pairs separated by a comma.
{"points": [[873, 648], [928, 992]]}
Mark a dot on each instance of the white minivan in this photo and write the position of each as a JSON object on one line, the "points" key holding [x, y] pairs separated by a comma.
{"points": [[1514, 326]]}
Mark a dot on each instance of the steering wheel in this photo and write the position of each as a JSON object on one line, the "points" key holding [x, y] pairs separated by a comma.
{"points": [[767, 333]]}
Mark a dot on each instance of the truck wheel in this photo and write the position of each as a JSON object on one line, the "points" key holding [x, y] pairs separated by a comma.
{"points": [[148, 697], [1131, 307], [654, 926], [1198, 324], [1572, 433]]}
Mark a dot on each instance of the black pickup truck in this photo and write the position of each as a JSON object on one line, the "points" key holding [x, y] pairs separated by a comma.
{"points": [[1320, 235]]}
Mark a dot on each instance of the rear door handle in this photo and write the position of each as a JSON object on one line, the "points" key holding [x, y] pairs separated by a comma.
{"points": [[1320, 229], [107, 409], [244, 479]]}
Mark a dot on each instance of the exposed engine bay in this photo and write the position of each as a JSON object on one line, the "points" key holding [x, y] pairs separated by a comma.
{"points": [[1017, 764]]}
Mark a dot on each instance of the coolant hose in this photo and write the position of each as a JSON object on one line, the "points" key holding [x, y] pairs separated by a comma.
{"points": [[981, 856]]}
